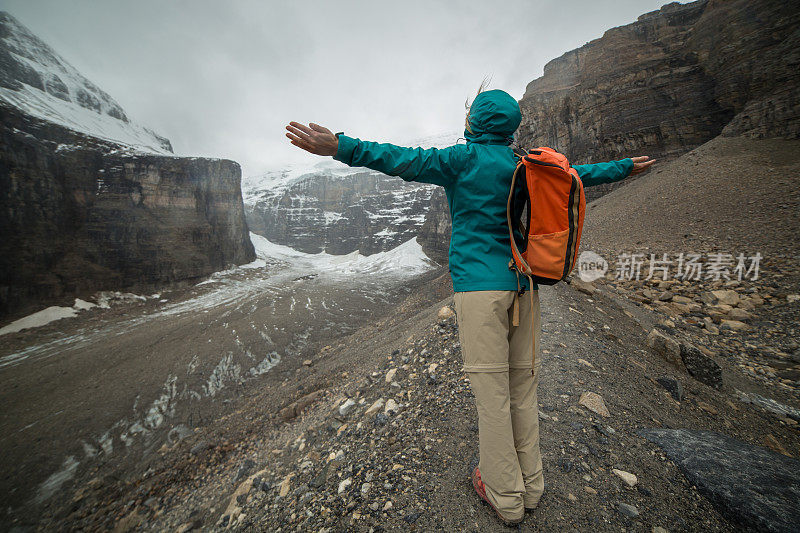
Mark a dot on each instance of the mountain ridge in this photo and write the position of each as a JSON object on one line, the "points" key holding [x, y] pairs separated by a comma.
{"points": [[37, 80]]}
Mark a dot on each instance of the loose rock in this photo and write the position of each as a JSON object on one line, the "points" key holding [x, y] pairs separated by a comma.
{"points": [[347, 406], [375, 407], [391, 406], [700, 366], [594, 402], [445, 313], [344, 485], [629, 479], [673, 386], [628, 510], [665, 346]]}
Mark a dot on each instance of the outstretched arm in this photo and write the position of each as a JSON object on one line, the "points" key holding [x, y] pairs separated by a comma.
{"points": [[613, 170], [432, 165]]}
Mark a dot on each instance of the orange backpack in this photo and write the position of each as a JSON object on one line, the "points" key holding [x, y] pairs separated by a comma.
{"points": [[545, 213], [546, 206]]}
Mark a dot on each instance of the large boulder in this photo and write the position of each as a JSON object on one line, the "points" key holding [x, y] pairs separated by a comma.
{"points": [[753, 487], [700, 366]]}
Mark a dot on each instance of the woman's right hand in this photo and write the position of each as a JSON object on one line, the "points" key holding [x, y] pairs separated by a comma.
{"points": [[641, 164], [312, 138]]}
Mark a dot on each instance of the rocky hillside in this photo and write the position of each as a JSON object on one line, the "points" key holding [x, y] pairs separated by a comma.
{"points": [[82, 206], [339, 209], [378, 432], [725, 202], [671, 81]]}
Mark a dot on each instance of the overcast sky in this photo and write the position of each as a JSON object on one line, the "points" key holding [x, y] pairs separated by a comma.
{"points": [[222, 78]]}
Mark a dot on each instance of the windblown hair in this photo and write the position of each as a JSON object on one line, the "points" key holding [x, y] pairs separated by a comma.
{"points": [[467, 104]]}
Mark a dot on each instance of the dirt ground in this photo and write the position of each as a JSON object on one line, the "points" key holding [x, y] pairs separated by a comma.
{"points": [[261, 468]]}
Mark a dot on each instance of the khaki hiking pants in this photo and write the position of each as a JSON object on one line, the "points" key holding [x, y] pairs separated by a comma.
{"points": [[497, 360]]}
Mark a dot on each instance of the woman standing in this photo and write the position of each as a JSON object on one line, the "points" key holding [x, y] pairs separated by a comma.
{"points": [[476, 177]]}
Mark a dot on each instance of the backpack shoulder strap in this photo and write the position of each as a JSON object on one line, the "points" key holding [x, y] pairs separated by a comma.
{"points": [[516, 253]]}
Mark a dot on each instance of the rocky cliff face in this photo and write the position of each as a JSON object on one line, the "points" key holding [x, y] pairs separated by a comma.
{"points": [[78, 214], [434, 235], [670, 81], [90, 200]]}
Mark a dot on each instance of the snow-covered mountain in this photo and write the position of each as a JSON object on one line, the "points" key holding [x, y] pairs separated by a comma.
{"points": [[39, 82], [334, 208], [92, 201]]}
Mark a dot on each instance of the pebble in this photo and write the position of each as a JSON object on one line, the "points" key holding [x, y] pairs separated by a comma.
{"points": [[594, 402], [628, 510], [735, 325], [707, 408], [629, 479], [285, 485], [390, 375], [244, 469], [585, 287], [375, 407], [727, 297], [665, 346], [189, 526], [739, 314], [673, 386], [199, 447], [347, 406], [344, 485], [391, 407], [445, 313]]}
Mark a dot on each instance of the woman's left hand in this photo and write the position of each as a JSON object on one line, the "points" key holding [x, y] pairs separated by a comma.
{"points": [[312, 138], [641, 163]]}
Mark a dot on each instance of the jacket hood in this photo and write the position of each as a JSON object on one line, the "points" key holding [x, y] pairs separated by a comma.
{"points": [[494, 116]]}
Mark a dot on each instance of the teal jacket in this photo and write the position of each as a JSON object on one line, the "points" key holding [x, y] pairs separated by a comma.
{"points": [[476, 177]]}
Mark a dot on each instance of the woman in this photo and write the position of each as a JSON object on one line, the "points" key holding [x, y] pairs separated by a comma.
{"points": [[476, 177]]}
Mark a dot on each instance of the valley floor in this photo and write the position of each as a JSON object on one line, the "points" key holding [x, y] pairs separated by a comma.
{"points": [[104, 390]]}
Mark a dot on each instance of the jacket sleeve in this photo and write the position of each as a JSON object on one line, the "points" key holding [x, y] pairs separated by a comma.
{"points": [[432, 165], [604, 172]]}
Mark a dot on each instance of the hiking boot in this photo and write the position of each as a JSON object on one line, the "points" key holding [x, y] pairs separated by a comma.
{"points": [[480, 488]]}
